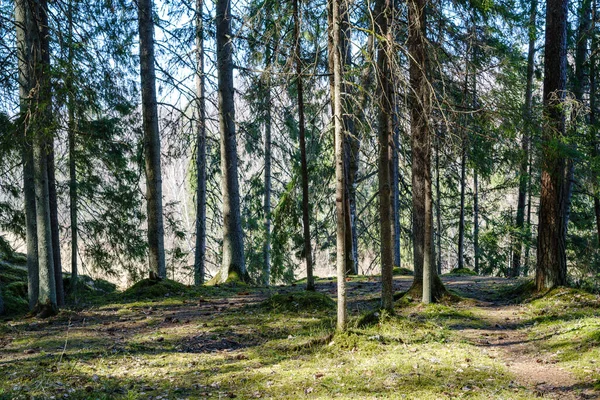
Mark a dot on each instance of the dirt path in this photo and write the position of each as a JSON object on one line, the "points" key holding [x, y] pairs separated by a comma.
{"points": [[503, 336]]}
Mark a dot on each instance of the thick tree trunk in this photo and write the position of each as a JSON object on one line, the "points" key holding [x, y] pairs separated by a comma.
{"points": [[528, 235], [340, 177], [156, 232], [41, 125], [200, 251], [527, 114], [551, 254], [420, 102], [233, 265], [383, 18], [310, 283], [25, 30]]}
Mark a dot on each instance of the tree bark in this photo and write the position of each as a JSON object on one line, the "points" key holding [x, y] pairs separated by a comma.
{"points": [[340, 177], [24, 30], [551, 254], [41, 125], [438, 207], [200, 251], [71, 128], [267, 198], [475, 220], [527, 114], [383, 18], [420, 104], [156, 233], [593, 122], [233, 265], [55, 228], [461, 220], [310, 283]]}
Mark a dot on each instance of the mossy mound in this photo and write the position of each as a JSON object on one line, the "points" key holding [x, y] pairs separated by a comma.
{"points": [[15, 298], [517, 293], [150, 289], [462, 272], [299, 301], [403, 271], [86, 284]]}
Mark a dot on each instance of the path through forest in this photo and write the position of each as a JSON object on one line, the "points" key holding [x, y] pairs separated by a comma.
{"points": [[197, 346]]}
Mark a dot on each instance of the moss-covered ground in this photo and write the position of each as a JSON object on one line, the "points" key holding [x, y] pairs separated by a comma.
{"points": [[175, 342]]}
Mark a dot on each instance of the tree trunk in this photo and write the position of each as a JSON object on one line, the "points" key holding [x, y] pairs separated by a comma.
{"points": [[527, 115], [551, 254], [310, 283], [200, 251], [438, 207], [156, 233], [461, 220], [351, 146], [420, 109], [475, 221], [233, 265], [395, 178], [340, 178], [383, 15], [593, 122], [25, 30], [41, 125], [267, 198], [53, 198], [71, 128]]}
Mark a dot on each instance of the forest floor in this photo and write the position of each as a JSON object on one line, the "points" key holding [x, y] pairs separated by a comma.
{"points": [[232, 342]]}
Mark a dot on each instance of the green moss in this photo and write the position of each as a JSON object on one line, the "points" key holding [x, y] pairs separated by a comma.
{"points": [[10, 274], [14, 304], [299, 301], [403, 271], [462, 272], [151, 289]]}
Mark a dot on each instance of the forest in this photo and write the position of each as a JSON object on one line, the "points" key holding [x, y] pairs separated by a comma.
{"points": [[299, 199]]}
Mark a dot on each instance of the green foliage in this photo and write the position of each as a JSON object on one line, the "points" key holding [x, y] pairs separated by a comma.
{"points": [[305, 301]]}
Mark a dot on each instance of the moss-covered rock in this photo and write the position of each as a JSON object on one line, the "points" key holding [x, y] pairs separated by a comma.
{"points": [[462, 272], [299, 301], [150, 289], [403, 271]]}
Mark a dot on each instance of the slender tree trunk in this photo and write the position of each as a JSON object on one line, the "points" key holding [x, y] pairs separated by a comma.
{"points": [[551, 254], [233, 265], [340, 175], [475, 220], [200, 252], [351, 146], [420, 103], [53, 198], [527, 114], [71, 128], [528, 235], [267, 198], [156, 232], [438, 207], [395, 178], [310, 283], [461, 220], [383, 15], [25, 30], [593, 121]]}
